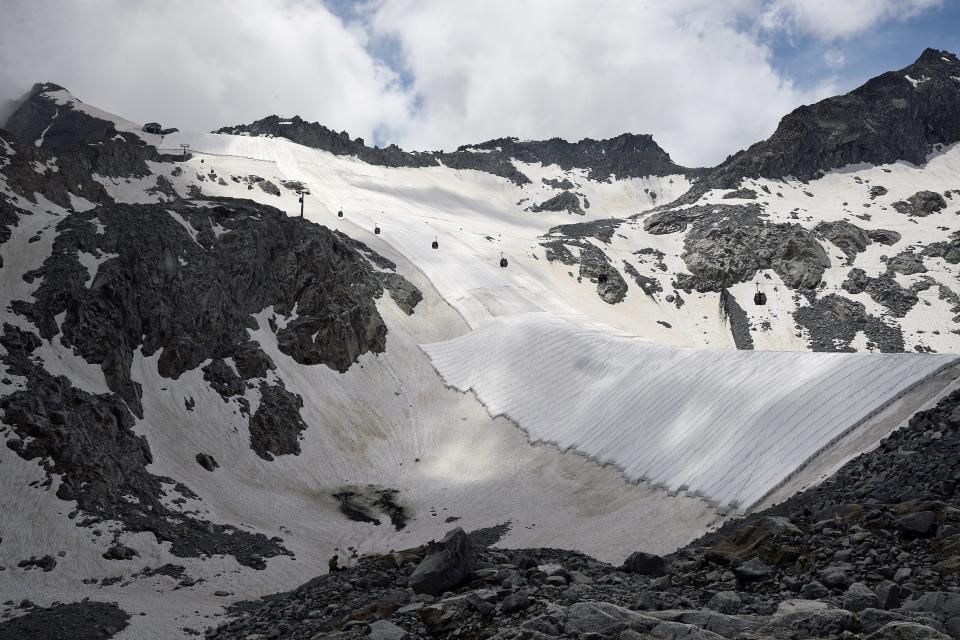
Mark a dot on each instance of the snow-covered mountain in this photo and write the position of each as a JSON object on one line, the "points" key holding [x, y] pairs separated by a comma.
{"points": [[205, 396]]}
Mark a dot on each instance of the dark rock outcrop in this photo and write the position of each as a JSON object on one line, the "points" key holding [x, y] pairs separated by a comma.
{"points": [[87, 620], [921, 204], [832, 322], [899, 115], [88, 441], [447, 565], [262, 258], [276, 425], [564, 201], [883, 290], [625, 156], [850, 238], [91, 145], [727, 244]]}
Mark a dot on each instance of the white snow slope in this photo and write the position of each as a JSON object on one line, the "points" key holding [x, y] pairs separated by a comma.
{"points": [[726, 425]]}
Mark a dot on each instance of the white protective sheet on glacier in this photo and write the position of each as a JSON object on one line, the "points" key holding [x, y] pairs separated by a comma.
{"points": [[727, 425]]}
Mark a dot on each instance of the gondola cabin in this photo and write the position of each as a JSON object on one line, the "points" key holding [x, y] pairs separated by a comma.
{"points": [[435, 244], [340, 213], [503, 261], [376, 230], [759, 298]]}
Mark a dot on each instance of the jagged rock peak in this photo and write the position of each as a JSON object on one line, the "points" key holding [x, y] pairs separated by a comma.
{"points": [[626, 155], [898, 115]]}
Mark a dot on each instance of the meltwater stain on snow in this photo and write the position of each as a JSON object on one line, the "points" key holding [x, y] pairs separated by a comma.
{"points": [[360, 504]]}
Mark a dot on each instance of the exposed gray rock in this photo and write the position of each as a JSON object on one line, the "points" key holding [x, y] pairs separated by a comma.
{"points": [[883, 290], [949, 250], [88, 440], [725, 602], [645, 564], [276, 425], [884, 236], [922, 524], [753, 570], [206, 461], [850, 238], [907, 631], [835, 577], [516, 601], [921, 204], [565, 201], [625, 156], [602, 229], [564, 184], [832, 323], [728, 244], [741, 194], [649, 286], [732, 312], [448, 564], [386, 630], [888, 595], [87, 620], [859, 597], [907, 263], [269, 187], [401, 291], [884, 120], [120, 552], [265, 258]]}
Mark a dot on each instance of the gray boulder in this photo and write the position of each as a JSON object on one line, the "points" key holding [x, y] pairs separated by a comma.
{"points": [[834, 577], [922, 524], [817, 623], [448, 564], [753, 571], [645, 564], [888, 594], [516, 601], [859, 597], [386, 630], [725, 602]]}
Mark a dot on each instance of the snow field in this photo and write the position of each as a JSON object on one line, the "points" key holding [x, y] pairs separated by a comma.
{"points": [[727, 425]]}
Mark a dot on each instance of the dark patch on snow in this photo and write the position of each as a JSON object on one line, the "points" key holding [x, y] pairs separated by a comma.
{"points": [[87, 620], [832, 323], [732, 312], [650, 286], [361, 505], [276, 425], [565, 201], [883, 290], [602, 230], [89, 441]]}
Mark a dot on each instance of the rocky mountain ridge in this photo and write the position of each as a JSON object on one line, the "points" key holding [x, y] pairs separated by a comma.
{"points": [[625, 156]]}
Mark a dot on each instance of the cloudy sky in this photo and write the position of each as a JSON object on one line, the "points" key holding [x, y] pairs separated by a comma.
{"points": [[706, 78]]}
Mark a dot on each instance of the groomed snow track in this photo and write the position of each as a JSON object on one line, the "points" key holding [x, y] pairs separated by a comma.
{"points": [[726, 425]]}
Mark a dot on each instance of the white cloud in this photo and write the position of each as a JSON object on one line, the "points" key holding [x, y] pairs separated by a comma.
{"points": [[839, 19], [682, 71], [200, 65], [697, 74]]}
